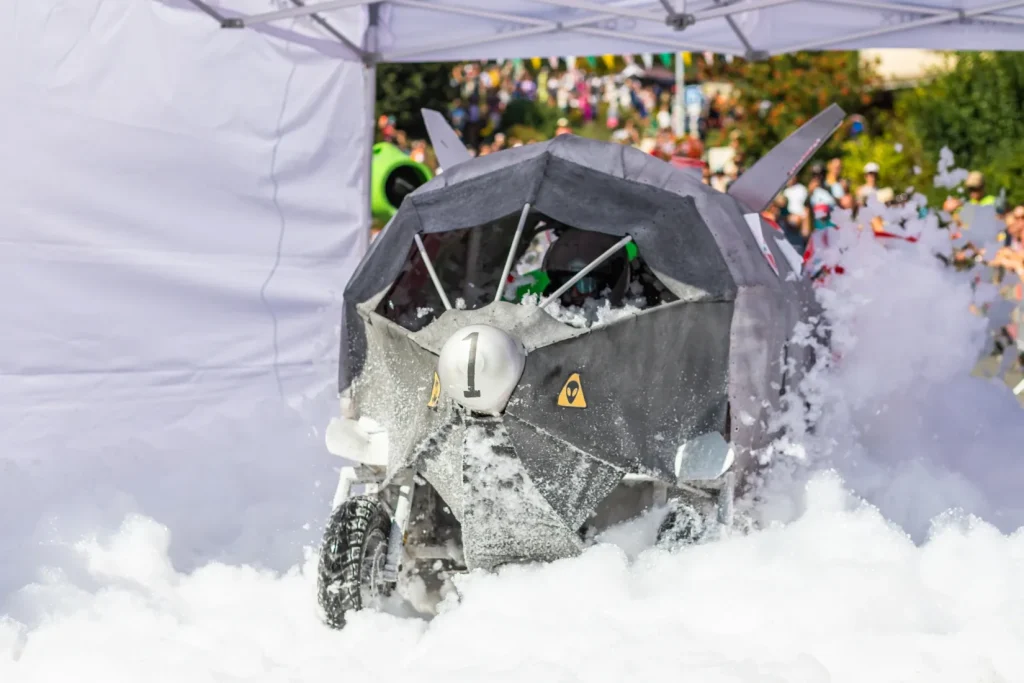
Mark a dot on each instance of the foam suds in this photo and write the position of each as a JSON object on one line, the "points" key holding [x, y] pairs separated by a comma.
{"points": [[889, 550]]}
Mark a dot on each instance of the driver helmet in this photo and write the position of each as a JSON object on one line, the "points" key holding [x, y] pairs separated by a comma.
{"points": [[573, 251]]}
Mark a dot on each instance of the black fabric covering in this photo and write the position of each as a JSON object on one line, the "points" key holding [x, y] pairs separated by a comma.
{"points": [[505, 517], [576, 181], [650, 384], [396, 389], [756, 188], [572, 482], [523, 483]]}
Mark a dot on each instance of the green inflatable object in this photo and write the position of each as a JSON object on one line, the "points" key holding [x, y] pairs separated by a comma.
{"points": [[394, 175]]}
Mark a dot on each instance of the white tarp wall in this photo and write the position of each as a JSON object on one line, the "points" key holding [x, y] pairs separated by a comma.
{"points": [[183, 204], [182, 207]]}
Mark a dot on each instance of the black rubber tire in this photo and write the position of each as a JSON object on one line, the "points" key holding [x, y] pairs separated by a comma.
{"points": [[683, 525], [355, 531]]}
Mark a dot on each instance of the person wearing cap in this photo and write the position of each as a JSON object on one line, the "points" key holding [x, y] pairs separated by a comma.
{"points": [[975, 186], [821, 201], [870, 186], [563, 127]]}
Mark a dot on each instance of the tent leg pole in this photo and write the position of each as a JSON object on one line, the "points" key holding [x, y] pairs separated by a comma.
{"points": [[370, 93], [679, 110], [373, 10], [371, 124]]}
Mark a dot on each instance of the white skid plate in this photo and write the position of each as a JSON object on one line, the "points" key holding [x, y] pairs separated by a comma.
{"points": [[361, 441]]}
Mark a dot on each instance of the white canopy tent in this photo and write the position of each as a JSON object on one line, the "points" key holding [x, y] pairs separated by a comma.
{"points": [[184, 204], [442, 30], [431, 30]]}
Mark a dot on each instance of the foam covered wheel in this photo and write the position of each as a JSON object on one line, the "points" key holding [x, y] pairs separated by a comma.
{"points": [[683, 525], [352, 557]]}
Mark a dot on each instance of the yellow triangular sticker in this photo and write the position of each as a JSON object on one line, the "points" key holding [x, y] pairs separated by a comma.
{"points": [[571, 395], [435, 393]]}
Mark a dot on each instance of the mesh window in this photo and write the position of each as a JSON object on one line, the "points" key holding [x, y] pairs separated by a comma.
{"points": [[469, 263]]}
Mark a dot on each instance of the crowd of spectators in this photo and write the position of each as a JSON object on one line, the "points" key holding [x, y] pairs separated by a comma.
{"points": [[633, 106], [636, 109]]}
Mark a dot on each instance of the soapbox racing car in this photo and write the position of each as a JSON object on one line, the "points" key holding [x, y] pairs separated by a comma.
{"points": [[547, 341]]}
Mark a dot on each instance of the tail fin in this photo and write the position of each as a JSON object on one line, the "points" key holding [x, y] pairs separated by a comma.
{"points": [[447, 146], [757, 187]]}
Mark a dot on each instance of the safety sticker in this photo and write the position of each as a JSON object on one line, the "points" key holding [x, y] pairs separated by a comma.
{"points": [[571, 395], [435, 393]]}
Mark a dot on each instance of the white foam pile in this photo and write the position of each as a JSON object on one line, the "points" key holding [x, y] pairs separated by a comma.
{"points": [[593, 312], [889, 551]]}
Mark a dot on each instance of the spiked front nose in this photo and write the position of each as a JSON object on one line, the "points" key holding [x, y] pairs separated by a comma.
{"points": [[480, 367]]}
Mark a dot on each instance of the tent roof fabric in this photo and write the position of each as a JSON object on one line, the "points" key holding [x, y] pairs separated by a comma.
{"points": [[448, 30]]}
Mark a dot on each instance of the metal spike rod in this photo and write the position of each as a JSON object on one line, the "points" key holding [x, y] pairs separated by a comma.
{"points": [[430, 269], [512, 252], [589, 267]]}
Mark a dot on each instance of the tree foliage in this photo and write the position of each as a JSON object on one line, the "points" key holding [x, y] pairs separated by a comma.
{"points": [[975, 110], [778, 95], [899, 160], [529, 115], [404, 89]]}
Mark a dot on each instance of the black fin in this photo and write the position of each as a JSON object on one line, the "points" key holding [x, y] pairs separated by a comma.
{"points": [[757, 187], [447, 146]]}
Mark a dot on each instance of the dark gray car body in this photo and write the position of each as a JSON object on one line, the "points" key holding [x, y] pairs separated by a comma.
{"points": [[711, 360]]}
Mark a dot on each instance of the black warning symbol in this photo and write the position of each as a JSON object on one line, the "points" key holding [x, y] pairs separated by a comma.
{"points": [[571, 395]]}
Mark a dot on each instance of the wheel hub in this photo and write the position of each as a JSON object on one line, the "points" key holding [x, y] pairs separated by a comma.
{"points": [[373, 587]]}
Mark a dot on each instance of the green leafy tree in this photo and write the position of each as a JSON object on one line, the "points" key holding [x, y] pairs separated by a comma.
{"points": [[898, 151], [975, 110], [900, 169], [404, 89], [532, 119], [778, 95], [1006, 170]]}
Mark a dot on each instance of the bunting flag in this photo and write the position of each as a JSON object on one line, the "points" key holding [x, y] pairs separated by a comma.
{"points": [[630, 60], [687, 58], [709, 57], [666, 58], [648, 60], [570, 62], [592, 61], [553, 61], [609, 61], [535, 62]]}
